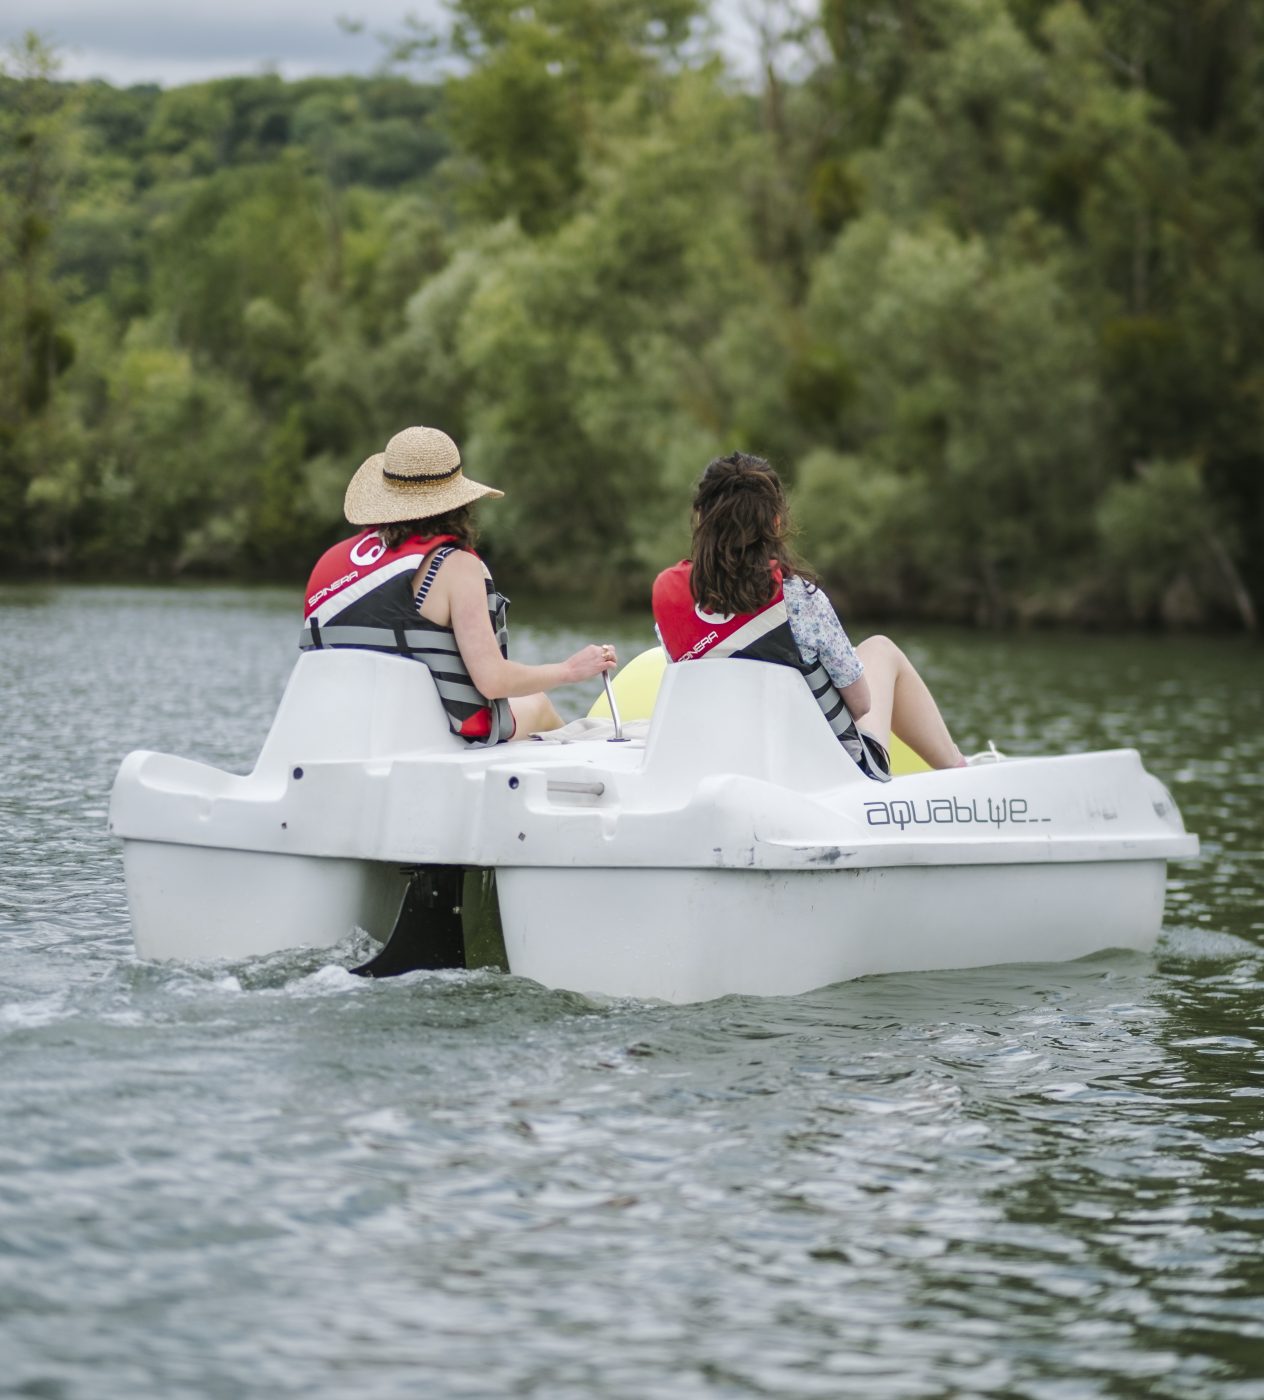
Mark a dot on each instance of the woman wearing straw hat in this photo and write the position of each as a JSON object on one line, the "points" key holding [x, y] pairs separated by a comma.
{"points": [[410, 583]]}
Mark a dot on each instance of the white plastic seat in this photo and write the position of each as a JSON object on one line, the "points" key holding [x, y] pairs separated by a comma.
{"points": [[751, 718], [350, 704]]}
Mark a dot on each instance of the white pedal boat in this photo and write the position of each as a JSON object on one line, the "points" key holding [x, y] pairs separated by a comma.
{"points": [[737, 850]]}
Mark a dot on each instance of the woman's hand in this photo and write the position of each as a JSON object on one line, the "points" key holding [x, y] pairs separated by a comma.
{"points": [[592, 661]]}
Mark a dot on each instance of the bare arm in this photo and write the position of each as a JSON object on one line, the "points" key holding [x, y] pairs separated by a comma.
{"points": [[460, 593], [857, 698]]}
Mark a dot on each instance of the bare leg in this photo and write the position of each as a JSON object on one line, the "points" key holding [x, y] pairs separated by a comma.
{"points": [[901, 702], [532, 713]]}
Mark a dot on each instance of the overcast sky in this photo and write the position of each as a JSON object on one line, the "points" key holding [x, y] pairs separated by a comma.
{"points": [[139, 41]]}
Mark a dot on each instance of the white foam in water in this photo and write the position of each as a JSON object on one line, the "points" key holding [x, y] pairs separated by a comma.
{"points": [[1204, 945], [24, 1014], [326, 981], [122, 1018]]}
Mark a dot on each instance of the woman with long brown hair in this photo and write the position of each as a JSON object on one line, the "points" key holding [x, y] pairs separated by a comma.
{"points": [[744, 594]]}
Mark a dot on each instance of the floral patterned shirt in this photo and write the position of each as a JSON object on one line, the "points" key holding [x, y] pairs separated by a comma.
{"points": [[818, 633]]}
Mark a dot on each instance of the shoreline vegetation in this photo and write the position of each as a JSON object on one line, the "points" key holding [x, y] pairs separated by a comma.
{"points": [[983, 278]]}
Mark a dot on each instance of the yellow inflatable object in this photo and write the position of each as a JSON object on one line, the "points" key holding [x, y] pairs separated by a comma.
{"points": [[636, 689], [904, 760]]}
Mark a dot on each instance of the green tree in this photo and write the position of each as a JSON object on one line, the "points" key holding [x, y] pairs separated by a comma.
{"points": [[1163, 535], [527, 111], [36, 348], [974, 422], [596, 367]]}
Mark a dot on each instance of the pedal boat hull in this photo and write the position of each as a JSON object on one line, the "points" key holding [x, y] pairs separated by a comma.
{"points": [[691, 935], [737, 851]]}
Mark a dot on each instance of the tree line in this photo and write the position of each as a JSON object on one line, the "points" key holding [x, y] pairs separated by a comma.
{"points": [[983, 278]]}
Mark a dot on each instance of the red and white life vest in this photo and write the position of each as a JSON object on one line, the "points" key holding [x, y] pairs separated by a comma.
{"points": [[360, 595], [689, 633]]}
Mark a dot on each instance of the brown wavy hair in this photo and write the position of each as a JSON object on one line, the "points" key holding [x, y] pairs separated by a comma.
{"points": [[459, 522], [741, 523]]}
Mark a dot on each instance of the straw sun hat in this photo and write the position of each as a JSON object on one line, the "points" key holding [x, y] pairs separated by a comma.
{"points": [[418, 475]]}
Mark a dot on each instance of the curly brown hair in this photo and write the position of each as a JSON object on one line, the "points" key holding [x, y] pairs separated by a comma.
{"points": [[741, 523], [459, 522]]}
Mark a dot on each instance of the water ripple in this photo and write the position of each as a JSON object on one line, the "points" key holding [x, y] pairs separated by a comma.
{"points": [[269, 1178]]}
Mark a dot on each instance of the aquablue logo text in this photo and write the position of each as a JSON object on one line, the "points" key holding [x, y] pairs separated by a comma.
{"points": [[945, 811]]}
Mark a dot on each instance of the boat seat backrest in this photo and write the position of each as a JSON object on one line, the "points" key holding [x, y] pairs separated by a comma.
{"points": [[355, 705], [752, 718]]}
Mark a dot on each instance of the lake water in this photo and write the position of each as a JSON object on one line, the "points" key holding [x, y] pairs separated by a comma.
{"points": [[273, 1179]]}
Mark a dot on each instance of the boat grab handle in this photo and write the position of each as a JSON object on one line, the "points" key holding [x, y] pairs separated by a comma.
{"points": [[614, 712], [587, 789]]}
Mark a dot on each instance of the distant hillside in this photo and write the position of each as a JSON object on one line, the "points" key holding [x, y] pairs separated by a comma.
{"points": [[986, 282]]}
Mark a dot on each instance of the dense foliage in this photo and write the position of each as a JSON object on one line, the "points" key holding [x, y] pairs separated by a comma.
{"points": [[985, 279]]}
